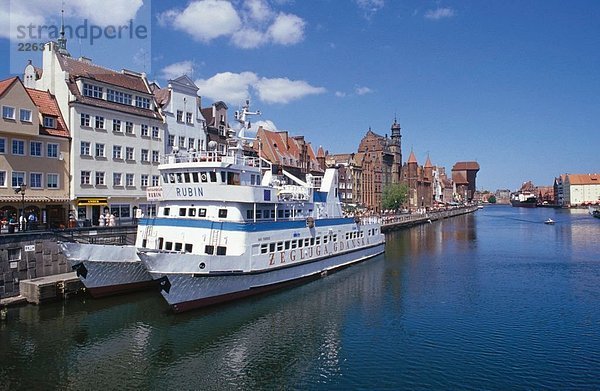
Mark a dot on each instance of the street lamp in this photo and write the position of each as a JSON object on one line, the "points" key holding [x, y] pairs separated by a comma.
{"points": [[21, 189]]}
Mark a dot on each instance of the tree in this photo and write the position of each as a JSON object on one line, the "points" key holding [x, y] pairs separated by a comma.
{"points": [[492, 199], [394, 196]]}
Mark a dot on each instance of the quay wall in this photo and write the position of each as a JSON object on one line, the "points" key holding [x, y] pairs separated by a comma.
{"points": [[34, 254], [392, 222]]}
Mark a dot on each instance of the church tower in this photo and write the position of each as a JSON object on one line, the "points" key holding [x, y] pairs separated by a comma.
{"points": [[396, 149]]}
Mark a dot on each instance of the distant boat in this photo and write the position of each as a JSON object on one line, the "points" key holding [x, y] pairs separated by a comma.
{"points": [[523, 199], [594, 211], [549, 221]]}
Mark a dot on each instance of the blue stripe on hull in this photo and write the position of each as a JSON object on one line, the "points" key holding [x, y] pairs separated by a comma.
{"points": [[245, 227]]}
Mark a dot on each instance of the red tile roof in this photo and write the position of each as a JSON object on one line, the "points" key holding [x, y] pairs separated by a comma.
{"points": [[428, 163], [46, 103], [584, 179], [4, 84], [412, 158], [465, 166]]}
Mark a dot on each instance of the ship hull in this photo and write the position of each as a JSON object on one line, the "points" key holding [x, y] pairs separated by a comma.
{"points": [[187, 291], [107, 270], [526, 204]]}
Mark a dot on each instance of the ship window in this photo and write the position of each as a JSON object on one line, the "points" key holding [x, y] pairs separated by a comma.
{"points": [[271, 247], [213, 176], [192, 212], [222, 213], [169, 246], [300, 243], [249, 214], [259, 214], [335, 237], [209, 249], [318, 241], [178, 246], [181, 211], [280, 214], [312, 241], [221, 250], [195, 177], [273, 214], [202, 212], [160, 243], [188, 247], [279, 246], [287, 213], [264, 248], [252, 177], [186, 176], [166, 211], [203, 177], [325, 239], [144, 243], [171, 178], [294, 244], [223, 176], [287, 244], [179, 178]]}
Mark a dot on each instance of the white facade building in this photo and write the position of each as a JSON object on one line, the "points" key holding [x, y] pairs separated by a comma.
{"points": [[117, 133], [581, 189], [180, 105]]}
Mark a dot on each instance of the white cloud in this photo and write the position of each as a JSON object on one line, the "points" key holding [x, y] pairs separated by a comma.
{"points": [[253, 24], [340, 94], [283, 90], [204, 20], [363, 90], [287, 29], [235, 88], [227, 86], [105, 12], [370, 7], [439, 13], [177, 69], [267, 124]]}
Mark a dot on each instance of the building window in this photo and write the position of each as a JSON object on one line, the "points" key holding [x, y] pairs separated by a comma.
{"points": [[120, 210], [145, 156], [116, 125], [181, 142], [8, 112], [35, 180], [18, 178], [85, 120], [144, 130], [118, 97], [191, 142], [92, 90], [142, 102], [49, 122], [129, 180], [117, 179], [25, 115], [179, 116], [99, 122], [188, 118], [100, 150], [155, 180], [117, 152], [2, 145], [144, 180], [85, 177], [52, 150], [2, 178], [99, 178], [18, 147], [171, 140], [129, 127], [155, 132], [52, 181], [35, 148], [85, 148], [129, 153], [155, 157]]}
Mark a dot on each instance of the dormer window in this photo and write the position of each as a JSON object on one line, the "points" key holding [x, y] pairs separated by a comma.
{"points": [[142, 102], [188, 118], [49, 122], [92, 90]]}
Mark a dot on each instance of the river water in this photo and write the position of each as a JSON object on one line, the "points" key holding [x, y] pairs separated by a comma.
{"points": [[493, 300]]}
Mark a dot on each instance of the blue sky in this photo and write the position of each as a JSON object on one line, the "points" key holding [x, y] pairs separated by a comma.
{"points": [[514, 85]]}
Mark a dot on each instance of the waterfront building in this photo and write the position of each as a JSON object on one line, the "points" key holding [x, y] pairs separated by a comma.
{"points": [[292, 153], [180, 105], [581, 189], [464, 175], [559, 194], [116, 128], [349, 177], [503, 196], [34, 154], [217, 127], [419, 181]]}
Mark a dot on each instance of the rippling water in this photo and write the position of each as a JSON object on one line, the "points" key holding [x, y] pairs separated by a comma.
{"points": [[491, 300]]}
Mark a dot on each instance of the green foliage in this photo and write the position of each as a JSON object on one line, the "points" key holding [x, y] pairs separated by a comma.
{"points": [[394, 196], [492, 199]]}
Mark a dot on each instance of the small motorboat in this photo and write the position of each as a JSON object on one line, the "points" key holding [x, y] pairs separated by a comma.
{"points": [[549, 221]]}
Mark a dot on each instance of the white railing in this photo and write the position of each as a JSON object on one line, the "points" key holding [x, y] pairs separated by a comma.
{"points": [[210, 157]]}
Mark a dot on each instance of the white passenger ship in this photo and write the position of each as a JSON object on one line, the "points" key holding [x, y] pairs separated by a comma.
{"points": [[228, 227]]}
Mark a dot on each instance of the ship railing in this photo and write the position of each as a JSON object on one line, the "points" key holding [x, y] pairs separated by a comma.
{"points": [[210, 157]]}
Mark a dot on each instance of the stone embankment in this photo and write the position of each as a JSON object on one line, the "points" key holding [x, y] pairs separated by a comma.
{"points": [[392, 222]]}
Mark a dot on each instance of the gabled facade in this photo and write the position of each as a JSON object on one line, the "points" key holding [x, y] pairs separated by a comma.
{"points": [[34, 152], [350, 177], [180, 106], [117, 133], [217, 127]]}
